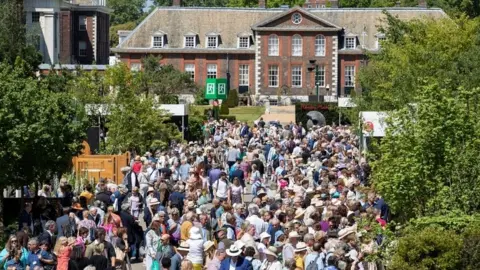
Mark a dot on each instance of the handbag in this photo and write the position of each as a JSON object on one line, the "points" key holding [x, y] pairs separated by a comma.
{"points": [[119, 254]]}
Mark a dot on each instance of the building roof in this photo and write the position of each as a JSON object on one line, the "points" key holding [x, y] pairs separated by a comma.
{"points": [[230, 23]]}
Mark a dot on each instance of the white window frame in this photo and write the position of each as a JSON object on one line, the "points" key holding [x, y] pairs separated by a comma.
{"points": [[194, 41], [214, 43], [135, 66], [190, 69], [296, 75], [82, 52], [380, 38], [297, 45], [82, 23], [273, 45], [321, 76], [246, 41], [273, 76], [161, 42], [350, 42], [212, 71], [37, 16], [243, 75], [320, 47], [349, 76]]}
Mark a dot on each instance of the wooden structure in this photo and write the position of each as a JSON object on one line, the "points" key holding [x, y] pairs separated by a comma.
{"points": [[100, 166]]}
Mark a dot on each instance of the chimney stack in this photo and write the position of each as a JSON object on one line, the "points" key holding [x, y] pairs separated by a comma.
{"points": [[422, 3], [177, 3], [262, 3]]}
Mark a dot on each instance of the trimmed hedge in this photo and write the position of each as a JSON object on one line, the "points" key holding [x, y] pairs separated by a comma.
{"points": [[232, 99], [224, 110]]}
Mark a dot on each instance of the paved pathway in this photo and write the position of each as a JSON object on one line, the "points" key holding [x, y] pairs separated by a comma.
{"points": [[284, 114]]}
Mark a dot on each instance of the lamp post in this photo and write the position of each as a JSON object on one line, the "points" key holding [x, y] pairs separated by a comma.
{"points": [[313, 66]]}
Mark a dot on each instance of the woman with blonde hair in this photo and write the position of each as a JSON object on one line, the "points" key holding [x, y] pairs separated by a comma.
{"points": [[186, 265], [62, 250]]}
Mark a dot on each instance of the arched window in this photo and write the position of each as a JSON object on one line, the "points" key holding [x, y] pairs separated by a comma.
{"points": [[273, 45], [296, 45], [320, 45]]}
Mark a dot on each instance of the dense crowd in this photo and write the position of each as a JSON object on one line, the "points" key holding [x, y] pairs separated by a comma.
{"points": [[264, 197]]}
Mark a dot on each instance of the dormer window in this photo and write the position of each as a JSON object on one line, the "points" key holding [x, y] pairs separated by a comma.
{"points": [[350, 42], [380, 38], [157, 42], [243, 41], [190, 41], [211, 40], [158, 39]]}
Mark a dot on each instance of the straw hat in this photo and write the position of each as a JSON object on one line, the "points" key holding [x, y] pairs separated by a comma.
{"points": [[299, 213], [293, 234], [154, 201], [269, 252], [264, 235], [233, 251], [207, 245], [184, 246], [301, 246]]}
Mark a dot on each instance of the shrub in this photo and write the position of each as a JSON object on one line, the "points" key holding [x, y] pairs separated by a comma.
{"points": [[232, 99], [224, 109], [430, 248]]}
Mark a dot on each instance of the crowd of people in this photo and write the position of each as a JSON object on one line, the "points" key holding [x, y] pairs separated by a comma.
{"points": [[264, 197]]}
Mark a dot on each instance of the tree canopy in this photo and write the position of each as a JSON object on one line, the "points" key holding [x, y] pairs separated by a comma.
{"points": [[125, 11]]}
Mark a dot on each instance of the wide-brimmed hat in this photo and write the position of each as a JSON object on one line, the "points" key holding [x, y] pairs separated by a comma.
{"points": [[191, 205], [299, 213], [239, 244], [195, 233], [150, 189], [269, 252], [346, 231], [184, 246], [207, 245], [77, 206], [125, 169], [301, 246], [264, 235], [154, 201], [293, 234], [233, 251]]}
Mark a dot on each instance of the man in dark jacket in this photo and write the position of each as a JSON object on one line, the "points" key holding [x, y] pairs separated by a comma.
{"points": [[259, 164], [104, 196], [134, 231], [239, 174]]}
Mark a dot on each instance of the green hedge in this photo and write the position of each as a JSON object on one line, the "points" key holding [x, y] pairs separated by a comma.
{"points": [[232, 99], [224, 110]]}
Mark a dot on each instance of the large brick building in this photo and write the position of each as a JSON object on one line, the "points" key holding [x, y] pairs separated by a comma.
{"points": [[69, 31], [267, 52]]}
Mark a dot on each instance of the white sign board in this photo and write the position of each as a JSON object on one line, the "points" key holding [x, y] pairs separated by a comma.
{"points": [[373, 124], [345, 102]]}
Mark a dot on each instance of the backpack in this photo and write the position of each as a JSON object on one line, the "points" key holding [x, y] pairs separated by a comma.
{"points": [[325, 259], [68, 230], [313, 264]]}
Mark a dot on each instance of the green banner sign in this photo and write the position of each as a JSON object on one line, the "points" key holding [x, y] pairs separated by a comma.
{"points": [[216, 89]]}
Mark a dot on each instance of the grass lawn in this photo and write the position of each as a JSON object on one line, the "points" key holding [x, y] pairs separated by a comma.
{"points": [[243, 113]]}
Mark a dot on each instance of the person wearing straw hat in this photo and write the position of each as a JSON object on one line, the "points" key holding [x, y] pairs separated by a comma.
{"points": [[271, 262], [300, 251], [263, 245], [235, 261], [289, 248]]}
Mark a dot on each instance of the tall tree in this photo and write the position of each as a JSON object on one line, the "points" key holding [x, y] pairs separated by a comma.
{"points": [[125, 11], [162, 81], [135, 123]]}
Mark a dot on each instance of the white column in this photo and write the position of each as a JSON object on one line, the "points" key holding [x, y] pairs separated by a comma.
{"points": [[48, 29]]}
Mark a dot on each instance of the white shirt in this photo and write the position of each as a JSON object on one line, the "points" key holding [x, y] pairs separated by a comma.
{"points": [[221, 188], [260, 225], [195, 255]]}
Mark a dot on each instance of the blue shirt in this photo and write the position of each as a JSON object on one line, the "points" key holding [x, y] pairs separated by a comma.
{"points": [[184, 168], [214, 175], [312, 256], [33, 259]]}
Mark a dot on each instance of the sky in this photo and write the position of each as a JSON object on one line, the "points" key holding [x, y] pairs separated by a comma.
{"points": [[148, 3]]}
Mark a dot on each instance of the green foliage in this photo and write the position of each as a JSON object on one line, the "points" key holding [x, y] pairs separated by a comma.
{"points": [[471, 248], [224, 110], [41, 130], [232, 99], [454, 221], [430, 248], [125, 11], [200, 97], [114, 31], [135, 123], [195, 124], [163, 81], [416, 52]]}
